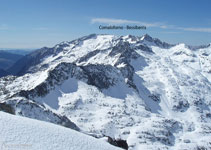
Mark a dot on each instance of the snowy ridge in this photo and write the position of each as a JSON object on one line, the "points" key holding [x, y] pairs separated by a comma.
{"points": [[34, 135], [138, 89]]}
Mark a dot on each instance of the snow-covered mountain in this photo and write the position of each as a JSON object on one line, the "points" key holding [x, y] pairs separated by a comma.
{"points": [[150, 93]]}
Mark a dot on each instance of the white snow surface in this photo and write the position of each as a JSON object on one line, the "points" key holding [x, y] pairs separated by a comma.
{"points": [[20, 133]]}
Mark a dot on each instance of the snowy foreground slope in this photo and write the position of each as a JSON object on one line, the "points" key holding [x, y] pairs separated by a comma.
{"points": [[19, 133], [150, 93]]}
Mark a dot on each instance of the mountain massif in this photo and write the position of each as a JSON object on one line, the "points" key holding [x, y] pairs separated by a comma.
{"points": [[148, 93]]}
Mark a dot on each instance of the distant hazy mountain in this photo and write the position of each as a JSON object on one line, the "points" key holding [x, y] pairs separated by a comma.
{"points": [[7, 60], [31, 59], [18, 51], [3, 73]]}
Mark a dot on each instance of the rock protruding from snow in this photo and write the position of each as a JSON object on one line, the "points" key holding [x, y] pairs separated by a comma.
{"points": [[27, 108], [148, 40]]}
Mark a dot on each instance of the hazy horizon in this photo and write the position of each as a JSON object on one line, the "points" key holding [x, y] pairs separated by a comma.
{"points": [[52, 45]]}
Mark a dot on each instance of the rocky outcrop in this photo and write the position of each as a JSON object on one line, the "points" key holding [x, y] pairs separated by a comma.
{"points": [[31, 109]]}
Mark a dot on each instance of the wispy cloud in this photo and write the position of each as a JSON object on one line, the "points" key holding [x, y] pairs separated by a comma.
{"points": [[171, 32], [41, 29], [195, 29], [112, 21]]}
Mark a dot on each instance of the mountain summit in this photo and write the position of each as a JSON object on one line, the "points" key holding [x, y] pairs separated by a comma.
{"points": [[149, 93]]}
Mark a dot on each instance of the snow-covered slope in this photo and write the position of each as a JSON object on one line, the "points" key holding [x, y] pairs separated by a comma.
{"points": [[19, 133], [152, 94]]}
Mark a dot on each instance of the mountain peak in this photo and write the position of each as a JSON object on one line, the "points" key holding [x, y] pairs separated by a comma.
{"points": [[147, 37]]}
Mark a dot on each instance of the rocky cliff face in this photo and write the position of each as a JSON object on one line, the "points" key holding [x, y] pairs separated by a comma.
{"points": [[149, 93]]}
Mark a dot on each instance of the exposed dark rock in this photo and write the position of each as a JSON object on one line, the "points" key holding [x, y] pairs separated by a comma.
{"points": [[156, 41], [120, 48], [148, 38], [56, 76], [100, 75], [34, 110], [89, 55], [155, 98], [201, 148], [144, 48], [120, 143], [186, 141], [6, 108], [181, 106]]}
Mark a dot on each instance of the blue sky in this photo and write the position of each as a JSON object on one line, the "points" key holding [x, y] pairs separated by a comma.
{"points": [[38, 23]]}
